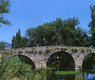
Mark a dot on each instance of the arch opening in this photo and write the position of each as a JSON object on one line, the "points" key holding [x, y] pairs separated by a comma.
{"points": [[16, 66], [89, 62], [61, 61], [26, 60], [16, 62]]}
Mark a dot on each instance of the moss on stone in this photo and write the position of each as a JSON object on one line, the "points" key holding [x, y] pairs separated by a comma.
{"points": [[88, 50], [48, 50], [74, 50]]}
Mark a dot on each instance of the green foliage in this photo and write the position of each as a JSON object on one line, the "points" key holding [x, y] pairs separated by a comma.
{"points": [[74, 50], [58, 32], [14, 42], [81, 38], [63, 49], [92, 24], [20, 70], [48, 50], [42, 35], [18, 41], [2, 46], [67, 72], [23, 42], [4, 9], [89, 62], [9, 70], [61, 61]]}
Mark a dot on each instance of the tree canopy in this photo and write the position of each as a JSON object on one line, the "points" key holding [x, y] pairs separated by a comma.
{"points": [[92, 25], [18, 41], [58, 32], [4, 9], [2, 45]]}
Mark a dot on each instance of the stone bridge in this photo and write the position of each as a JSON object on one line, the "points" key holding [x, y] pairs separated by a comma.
{"points": [[40, 55]]}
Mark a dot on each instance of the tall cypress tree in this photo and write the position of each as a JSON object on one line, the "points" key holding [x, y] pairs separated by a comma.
{"points": [[92, 24], [14, 42], [18, 39]]}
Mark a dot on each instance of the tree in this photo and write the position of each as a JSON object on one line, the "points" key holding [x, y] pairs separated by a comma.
{"points": [[81, 38], [58, 32], [2, 46], [92, 24], [4, 9], [68, 30], [42, 35], [14, 42], [18, 41], [23, 42]]}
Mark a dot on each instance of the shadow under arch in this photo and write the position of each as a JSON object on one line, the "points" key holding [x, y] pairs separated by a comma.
{"points": [[24, 59], [61, 60], [89, 62]]}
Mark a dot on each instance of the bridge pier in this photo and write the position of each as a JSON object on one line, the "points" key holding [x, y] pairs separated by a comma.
{"points": [[78, 67], [40, 65]]}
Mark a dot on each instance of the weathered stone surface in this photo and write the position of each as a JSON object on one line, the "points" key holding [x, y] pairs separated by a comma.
{"points": [[40, 55]]}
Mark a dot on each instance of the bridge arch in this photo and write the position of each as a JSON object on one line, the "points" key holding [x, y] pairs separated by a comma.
{"points": [[89, 62], [61, 60], [25, 58]]}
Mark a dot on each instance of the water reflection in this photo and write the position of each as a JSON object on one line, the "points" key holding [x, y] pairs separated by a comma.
{"points": [[60, 77], [89, 75], [52, 76], [81, 76]]}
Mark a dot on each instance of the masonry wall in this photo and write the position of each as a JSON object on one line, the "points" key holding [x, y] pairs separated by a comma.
{"points": [[40, 55]]}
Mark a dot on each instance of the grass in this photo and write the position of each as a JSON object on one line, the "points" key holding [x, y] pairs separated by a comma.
{"points": [[67, 72]]}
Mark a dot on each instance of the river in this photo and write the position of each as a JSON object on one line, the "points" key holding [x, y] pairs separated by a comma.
{"points": [[82, 76]]}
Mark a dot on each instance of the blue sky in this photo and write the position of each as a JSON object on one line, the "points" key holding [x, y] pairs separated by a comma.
{"points": [[30, 13]]}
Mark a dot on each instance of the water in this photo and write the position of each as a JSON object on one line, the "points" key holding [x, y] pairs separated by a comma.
{"points": [[89, 75], [58, 77], [86, 75], [82, 76]]}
